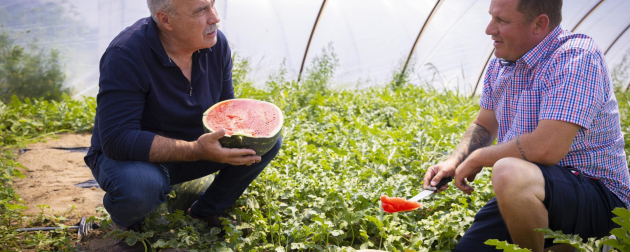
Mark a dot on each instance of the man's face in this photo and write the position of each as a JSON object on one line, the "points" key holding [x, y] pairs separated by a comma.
{"points": [[195, 23], [510, 30]]}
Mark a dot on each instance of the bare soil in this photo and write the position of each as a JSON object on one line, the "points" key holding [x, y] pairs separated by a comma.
{"points": [[51, 176], [50, 179]]}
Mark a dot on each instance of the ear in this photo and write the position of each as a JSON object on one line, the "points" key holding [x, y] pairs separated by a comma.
{"points": [[541, 24], [164, 20]]}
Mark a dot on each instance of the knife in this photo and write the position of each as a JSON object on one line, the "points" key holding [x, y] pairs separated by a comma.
{"points": [[430, 189]]}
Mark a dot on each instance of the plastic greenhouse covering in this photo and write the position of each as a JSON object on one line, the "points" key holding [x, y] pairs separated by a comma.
{"points": [[444, 40]]}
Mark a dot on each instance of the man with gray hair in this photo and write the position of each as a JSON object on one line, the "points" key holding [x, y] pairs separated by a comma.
{"points": [[165, 6], [157, 78]]}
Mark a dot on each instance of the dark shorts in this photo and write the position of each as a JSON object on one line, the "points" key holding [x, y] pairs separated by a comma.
{"points": [[576, 205]]}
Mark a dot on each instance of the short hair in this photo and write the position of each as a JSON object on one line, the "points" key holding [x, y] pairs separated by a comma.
{"points": [[160, 5], [533, 8]]}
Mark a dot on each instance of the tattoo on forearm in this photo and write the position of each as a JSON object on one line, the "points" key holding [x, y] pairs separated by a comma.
{"points": [[481, 138], [475, 137], [520, 150]]}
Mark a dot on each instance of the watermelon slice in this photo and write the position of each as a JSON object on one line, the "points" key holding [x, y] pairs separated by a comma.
{"points": [[392, 205], [249, 124]]}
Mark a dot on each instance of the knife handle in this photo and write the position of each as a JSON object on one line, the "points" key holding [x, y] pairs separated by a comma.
{"points": [[443, 182]]}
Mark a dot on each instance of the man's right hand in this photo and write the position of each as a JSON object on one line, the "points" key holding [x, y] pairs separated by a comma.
{"points": [[207, 147], [436, 172]]}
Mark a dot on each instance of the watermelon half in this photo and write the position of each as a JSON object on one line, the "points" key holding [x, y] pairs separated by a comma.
{"points": [[392, 205], [249, 124]]}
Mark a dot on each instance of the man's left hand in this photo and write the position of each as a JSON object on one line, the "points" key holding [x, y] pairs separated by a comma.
{"points": [[468, 170]]}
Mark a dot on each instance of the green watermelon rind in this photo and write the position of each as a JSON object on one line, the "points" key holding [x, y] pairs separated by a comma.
{"points": [[187, 193], [245, 141]]}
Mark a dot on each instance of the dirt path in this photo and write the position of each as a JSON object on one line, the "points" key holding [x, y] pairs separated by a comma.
{"points": [[50, 179], [51, 175]]}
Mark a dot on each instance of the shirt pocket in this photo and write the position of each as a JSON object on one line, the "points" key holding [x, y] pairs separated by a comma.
{"points": [[526, 112]]}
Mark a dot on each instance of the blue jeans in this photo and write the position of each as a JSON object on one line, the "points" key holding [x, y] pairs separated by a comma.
{"points": [[134, 189]]}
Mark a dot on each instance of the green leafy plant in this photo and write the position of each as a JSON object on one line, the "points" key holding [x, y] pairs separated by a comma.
{"points": [[29, 73], [505, 246], [622, 234], [342, 149], [131, 237], [592, 245], [621, 242], [28, 120]]}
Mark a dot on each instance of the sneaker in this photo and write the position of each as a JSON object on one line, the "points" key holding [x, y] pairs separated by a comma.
{"points": [[122, 246]]}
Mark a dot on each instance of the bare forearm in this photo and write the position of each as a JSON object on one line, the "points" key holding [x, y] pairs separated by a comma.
{"points": [[526, 147], [170, 150], [206, 147], [476, 137]]}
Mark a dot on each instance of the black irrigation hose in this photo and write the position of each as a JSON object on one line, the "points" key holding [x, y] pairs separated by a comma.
{"points": [[69, 149]]}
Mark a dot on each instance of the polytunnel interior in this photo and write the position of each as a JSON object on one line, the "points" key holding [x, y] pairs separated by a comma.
{"points": [[444, 42]]}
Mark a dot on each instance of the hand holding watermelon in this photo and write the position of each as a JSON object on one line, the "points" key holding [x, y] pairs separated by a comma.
{"points": [[207, 147]]}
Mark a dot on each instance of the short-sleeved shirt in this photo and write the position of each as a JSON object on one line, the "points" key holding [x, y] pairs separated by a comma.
{"points": [[563, 78], [143, 93]]}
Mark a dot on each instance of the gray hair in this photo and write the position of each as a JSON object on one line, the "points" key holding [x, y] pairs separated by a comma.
{"points": [[160, 5]]}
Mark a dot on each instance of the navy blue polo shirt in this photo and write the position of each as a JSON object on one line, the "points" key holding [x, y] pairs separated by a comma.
{"points": [[142, 92]]}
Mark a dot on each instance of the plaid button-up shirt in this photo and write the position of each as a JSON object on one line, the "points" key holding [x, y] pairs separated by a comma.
{"points": [[563, 78]]}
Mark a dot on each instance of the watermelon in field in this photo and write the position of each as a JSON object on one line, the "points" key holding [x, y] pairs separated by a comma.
{"points": [[392, 205], [186, 193], [249, 124]]}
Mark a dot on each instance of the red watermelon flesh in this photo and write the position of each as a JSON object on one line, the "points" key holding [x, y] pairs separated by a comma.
{"points": [[245, 117], [392, 205]]}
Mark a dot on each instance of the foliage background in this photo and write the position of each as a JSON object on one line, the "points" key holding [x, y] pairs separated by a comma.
{"points": [[31, 66], [29, 72], [342, 149]]}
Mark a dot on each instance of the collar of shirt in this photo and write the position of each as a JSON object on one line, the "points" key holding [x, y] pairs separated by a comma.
{"points": [[505, 63], [531, 58], [153, 37]]}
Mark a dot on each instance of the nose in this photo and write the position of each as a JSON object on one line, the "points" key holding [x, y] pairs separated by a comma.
{"points": [[213, 17], [491, 29]]}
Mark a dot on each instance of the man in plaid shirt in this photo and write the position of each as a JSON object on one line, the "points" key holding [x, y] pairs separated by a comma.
{"points": [[559, 162]]}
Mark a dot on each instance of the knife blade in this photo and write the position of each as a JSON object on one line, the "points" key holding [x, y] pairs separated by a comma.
{"points": [[430, 189]]}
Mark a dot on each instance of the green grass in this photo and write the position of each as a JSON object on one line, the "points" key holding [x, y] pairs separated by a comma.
{"points": [[342, 149]]}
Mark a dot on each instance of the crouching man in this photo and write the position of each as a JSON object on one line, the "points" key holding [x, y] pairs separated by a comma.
{"points": [[559, 162], [157, 77]]}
